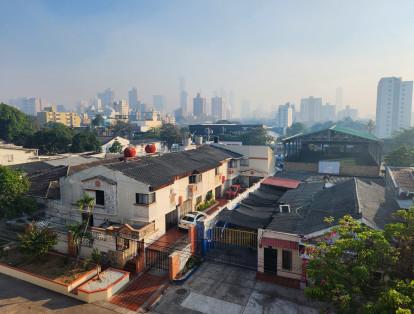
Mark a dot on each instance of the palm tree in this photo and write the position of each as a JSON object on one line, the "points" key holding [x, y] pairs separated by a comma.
{"points": [[86, 205], [97, 259]]}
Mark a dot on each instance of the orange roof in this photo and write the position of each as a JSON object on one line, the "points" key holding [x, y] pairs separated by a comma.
{"points": [[282, 182]]}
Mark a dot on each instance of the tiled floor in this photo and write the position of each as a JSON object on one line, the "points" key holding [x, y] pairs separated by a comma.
{"points": [[139, 291], [169, 239]]}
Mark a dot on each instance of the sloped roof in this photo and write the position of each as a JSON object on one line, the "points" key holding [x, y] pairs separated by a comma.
{"points": [[161, 170], [282, 182], [353, 197], [44, 183], [31, 167], [339, 129]]}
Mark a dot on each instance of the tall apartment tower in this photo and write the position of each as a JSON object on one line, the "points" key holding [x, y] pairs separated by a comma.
{"points": [[159, 102], [199, 106], [394, 102], [107, 97], [310, 109], [183, 99], [133, 98], [285, 115], [218, 108]]}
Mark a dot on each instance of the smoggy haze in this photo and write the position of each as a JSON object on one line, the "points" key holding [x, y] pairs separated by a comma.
{"points": [[268, 52]]}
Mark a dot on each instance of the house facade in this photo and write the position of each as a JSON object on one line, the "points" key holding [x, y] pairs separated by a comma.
{"points": [[147, 190]]}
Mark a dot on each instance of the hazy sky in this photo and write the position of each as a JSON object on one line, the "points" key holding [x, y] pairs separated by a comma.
{"points": [[268, 52]]}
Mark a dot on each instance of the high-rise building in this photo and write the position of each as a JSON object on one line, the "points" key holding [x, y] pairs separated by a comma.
{"points": [[285, 115], [339, 98], [394, 102], [29, 105], [218, 108], [348, 112], [183, 99], [159, 102], [199, 106], [328, 112], [107, 97], [122, 108], [133, 98], [310, 109]]}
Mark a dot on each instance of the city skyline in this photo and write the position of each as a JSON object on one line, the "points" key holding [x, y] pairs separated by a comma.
{"points": [[268, 54]]}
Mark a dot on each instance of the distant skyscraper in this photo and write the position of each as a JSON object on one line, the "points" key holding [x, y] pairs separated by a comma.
{"points": [[310, 109], [339, 98], [183, 99], [159, 102], [285, 115], [394, 102], [328, 113], [133, 98], [107, 97], [245, 108], [348, 112], [218, 108], [29, 105], [199, 106]]}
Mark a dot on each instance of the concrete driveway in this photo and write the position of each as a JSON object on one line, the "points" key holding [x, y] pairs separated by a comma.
{"points": [[218, 288], [18, 297]]}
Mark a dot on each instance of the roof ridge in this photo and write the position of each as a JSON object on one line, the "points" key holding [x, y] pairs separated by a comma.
{"points": [[357, 195]]}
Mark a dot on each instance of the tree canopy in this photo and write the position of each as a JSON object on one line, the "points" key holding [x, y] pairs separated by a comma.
{"points": [[256, 136], [403, 156], [14, 125], [296, 128], [13, 186], [37, 242], [53, 138], [85, 141], [116, 147], [170, 134], [360, 270]]}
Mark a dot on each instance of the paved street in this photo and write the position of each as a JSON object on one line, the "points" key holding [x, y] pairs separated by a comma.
{"points": [[19, 297], [218, 288]]}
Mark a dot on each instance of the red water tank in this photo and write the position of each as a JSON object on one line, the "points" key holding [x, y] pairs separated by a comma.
{"points": [[129, 152], [150, 149]]}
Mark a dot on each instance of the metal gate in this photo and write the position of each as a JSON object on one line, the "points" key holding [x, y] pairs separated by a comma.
{"points": [[171, 219], [156, 259], [232, 246]]}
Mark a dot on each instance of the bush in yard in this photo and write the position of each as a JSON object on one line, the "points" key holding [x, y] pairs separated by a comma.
{"points": [[37, 242]]}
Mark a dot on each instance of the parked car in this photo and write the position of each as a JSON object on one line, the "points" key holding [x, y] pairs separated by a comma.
{"points": [[191, 219], [233, 191]]}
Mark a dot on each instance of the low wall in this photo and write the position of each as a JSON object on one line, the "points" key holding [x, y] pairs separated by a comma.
{"points": [[177, 261], [106, 293], [45, 282]]}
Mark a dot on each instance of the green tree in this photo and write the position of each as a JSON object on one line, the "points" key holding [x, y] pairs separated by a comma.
{"points": [[116, 147], [296, 128], [371, 126], [86, 205], [85, 141], [403, 137], [123, 129], [98, 120], [403, 156], [401, 234], [53, 138], [97, 258], [13, 186], [37, 242], [170, 134], [343, 273], [256, 136], [15, 126]]}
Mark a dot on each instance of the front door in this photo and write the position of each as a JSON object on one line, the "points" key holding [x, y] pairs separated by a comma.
{"points": [[270, 260]]}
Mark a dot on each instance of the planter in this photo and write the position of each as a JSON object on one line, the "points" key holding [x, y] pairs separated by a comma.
{"points": [[182, 279]]}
